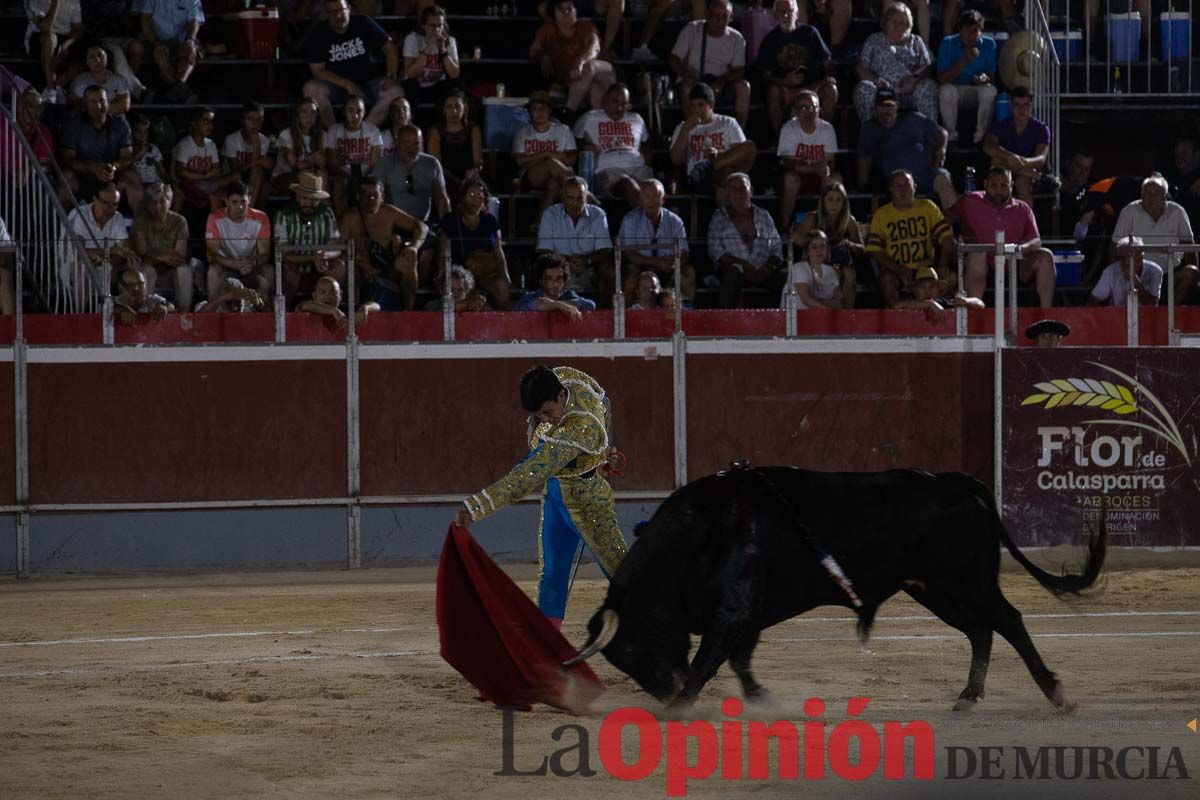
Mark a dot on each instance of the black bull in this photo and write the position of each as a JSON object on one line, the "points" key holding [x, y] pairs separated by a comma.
{"points": [[734, 553]]}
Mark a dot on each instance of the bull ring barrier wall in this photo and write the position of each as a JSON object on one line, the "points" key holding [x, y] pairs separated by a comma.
{"points": [[352, 448]]}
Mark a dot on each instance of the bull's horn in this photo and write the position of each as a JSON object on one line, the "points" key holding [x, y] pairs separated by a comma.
{"points": [[608, 629]]}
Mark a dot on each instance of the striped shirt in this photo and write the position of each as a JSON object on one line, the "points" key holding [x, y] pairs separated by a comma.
{"points": [[724, 237], [293, 228]]}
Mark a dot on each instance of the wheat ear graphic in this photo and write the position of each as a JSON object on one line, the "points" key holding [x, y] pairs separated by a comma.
{"points": [[1108, 396]]}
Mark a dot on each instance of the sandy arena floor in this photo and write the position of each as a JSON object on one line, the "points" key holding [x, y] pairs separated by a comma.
{"points": [[329, 684]]}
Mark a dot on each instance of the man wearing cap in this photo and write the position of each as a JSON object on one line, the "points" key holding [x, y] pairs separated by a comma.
{"points": [[933, 295], [905, 140], [310, 224], [1158, 221], [1130, 271], [710, 146], [545, 151], [1048, 332], [994, 209]]}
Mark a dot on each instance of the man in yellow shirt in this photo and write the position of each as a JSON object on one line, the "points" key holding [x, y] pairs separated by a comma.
{"points": [[570, 428], [908, 235]]}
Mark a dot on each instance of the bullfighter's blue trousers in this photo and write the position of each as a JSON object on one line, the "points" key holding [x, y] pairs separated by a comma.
{"points": [[560, 537]]}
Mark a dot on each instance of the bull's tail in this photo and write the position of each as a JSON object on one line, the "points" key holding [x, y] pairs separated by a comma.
{"points": [[1066, 583]]}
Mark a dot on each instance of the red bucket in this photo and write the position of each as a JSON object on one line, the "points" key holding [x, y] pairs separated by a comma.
{"points": [[253, 33]]}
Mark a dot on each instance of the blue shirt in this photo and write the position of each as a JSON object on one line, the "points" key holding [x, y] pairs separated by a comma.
{"points": [[529, 301], [95, 146], [952, 49], [908, 144], [636, 229], [558, 233], [171, 17], [355, 55]]}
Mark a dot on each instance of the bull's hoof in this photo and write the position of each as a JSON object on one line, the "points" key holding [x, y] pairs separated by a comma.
{"points": [[681, 708], [964, 704], [762, 700], [1059, 698]]}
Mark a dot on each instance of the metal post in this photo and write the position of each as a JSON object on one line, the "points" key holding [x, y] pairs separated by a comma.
{"points": [[353, 445], [1131, 305], [618, 299], [21, 425], [678, 290], [351, 297], [1172, 333], [280, 303], [999, 265], [960, 312], [789, 306], [997, 359], [106, 316], [679, 363], [1011, 263], [447, 300]]}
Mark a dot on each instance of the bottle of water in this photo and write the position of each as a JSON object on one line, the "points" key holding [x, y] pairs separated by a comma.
{"points": [[969, 180], [1116, 80]]}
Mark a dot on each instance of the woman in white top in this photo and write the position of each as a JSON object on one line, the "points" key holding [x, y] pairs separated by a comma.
{"points": [[300, 147], [399, 115], [817, 283], [430, 58]]}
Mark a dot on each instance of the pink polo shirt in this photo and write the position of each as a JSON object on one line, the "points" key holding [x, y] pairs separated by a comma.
{"points": [[980, 219]]}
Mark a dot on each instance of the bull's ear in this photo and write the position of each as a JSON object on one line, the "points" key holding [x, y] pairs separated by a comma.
{"points": [[608, 629]]}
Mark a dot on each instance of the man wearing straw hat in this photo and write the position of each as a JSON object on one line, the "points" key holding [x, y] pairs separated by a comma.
{"points": [[310, 223]]}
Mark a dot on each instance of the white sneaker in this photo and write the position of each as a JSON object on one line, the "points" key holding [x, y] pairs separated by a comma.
{"points": [[642, 54]]}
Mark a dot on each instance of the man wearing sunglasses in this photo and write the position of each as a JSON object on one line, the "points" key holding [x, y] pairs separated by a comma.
{"points": [[414, 183]]}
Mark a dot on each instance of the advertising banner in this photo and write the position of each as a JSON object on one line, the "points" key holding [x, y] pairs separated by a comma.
{"points": [[1091, 430]]}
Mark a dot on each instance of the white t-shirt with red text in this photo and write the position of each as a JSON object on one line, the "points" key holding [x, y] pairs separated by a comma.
{"points": [[240, 154], [284, 142], [238, 239], [809, 148], [415, 46], [722, 133], [194, 157], [355, 146], [618, 141], [556, 139]]}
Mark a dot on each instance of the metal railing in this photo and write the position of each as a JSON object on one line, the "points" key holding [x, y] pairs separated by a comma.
{"points": [[58, 268], [1117, 35]]}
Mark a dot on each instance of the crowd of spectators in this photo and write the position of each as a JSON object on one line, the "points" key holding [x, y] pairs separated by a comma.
{"points": [[383, 148]]}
